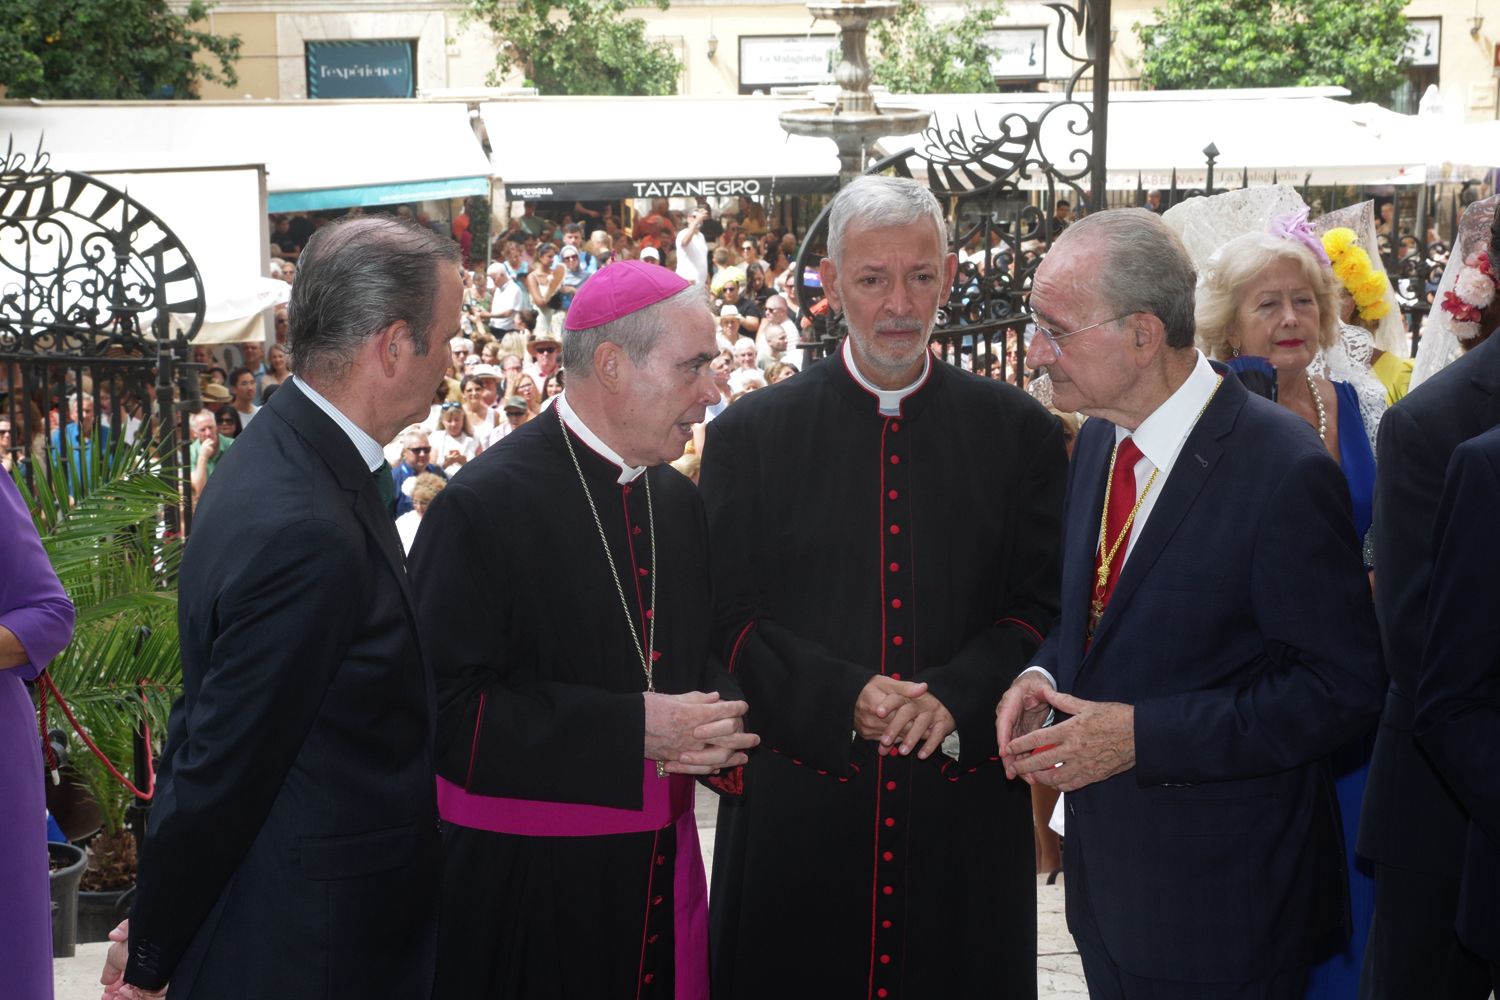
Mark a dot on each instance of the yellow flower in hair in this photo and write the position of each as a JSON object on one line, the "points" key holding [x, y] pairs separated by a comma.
{"points": [[1352, 266], [1372, 286], [1365, 297], [1376, 311], [1336, 241]]}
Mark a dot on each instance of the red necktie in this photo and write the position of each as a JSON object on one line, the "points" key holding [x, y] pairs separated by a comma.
{"points": [[1121, 502]]}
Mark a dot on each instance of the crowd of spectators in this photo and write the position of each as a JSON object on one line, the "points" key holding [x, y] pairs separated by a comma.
{"points": [[506, 364]]}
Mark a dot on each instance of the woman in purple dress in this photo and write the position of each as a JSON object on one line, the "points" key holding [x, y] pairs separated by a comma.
{"points": [[36, 621]]}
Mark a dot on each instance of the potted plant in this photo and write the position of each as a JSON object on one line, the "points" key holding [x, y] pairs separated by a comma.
{"points": [[65, 867], [122, 670]]}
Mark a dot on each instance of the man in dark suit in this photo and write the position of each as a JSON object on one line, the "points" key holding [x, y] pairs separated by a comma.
{"points": [[1412, 826], [1458, 697], [1208, 677], [292, 849]]}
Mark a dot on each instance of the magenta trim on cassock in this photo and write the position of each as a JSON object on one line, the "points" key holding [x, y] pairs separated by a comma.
{"points": [[664, 802]]}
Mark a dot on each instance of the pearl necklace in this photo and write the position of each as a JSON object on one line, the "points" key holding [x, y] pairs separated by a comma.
{"points": [[1317, 396]]}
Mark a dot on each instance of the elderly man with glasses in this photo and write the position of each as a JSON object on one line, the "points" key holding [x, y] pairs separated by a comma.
{"points": [[1217, 643], [416, 449]]}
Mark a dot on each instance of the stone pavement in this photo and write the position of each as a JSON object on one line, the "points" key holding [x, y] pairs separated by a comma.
{"points": [[1059, 974]]}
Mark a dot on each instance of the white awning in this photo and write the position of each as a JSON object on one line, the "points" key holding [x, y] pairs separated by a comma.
{"points": [[581, 148], [318, 154], [1451, 149], [1293, 135]]}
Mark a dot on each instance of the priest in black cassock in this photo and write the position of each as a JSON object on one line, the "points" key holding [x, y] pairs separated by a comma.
{"points": [[885, 556], [577, 683]]}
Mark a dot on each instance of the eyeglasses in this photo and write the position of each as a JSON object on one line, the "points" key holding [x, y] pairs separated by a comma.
{"points": [[546, 350], [452, 406], [421, 451], [1054, 338]]}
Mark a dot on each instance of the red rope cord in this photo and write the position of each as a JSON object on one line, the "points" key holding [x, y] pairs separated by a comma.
{"points": [[47, 684]]}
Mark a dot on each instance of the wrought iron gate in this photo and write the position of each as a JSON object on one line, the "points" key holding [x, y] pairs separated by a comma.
{"points": [[986, 174], [99, 302]]}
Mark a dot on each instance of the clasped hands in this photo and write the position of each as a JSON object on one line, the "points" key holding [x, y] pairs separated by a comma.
{"points": [[1098, 742], [901, 715], [696, 732]]}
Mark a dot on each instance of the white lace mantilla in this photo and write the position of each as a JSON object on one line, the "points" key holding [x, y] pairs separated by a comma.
{"points": [[1390, 335], [1439, 347]]}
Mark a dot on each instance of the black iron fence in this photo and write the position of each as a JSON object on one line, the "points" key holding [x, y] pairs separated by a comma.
{"points": [[99, 302]]}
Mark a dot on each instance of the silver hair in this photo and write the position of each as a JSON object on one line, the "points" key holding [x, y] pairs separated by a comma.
{"points": [[412, 433], [873, 202], [358, 276], [1140, 267], [636, 332]]}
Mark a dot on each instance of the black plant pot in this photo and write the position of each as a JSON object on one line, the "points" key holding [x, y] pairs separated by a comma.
{"points": [[100, 912], [65, 897]]}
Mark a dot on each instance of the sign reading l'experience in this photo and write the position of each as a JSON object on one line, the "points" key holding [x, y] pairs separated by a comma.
{"points": [[366, 68]]}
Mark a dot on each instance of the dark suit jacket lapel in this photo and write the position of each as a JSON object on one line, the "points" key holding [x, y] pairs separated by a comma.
{"points": [[343, 459], [1485, 377], [1195, 463], [1085, 505]]}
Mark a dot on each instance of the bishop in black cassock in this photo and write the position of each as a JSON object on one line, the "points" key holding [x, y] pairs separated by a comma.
{"points": [[571, 867]]}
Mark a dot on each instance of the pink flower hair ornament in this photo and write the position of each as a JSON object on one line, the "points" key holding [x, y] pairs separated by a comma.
{"points": [[1293, 226], [1472, 293]]}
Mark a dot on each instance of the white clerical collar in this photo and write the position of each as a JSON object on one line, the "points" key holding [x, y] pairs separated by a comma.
{"points": [[890, 399], [628, 473], [370, 451], [1161, 435]]}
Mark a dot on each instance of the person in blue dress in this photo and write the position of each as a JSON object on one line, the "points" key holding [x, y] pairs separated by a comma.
{"points": [[1272, 296]]}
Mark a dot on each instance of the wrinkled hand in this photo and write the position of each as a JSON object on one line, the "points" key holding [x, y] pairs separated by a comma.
{"points": [[1098, 742], [903, 712], [113, 976], [696, 732], [1023, 709]]}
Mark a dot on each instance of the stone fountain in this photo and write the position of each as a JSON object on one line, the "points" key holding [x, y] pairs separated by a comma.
{"points": [[853, 123]]}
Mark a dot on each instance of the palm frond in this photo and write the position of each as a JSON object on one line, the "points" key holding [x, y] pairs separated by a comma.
{"points": [[99, 511]]}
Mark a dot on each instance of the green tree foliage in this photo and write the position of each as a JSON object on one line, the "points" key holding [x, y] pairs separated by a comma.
{"points": [[1358, 44], [579, 46], [920, 56], [109, 50]]}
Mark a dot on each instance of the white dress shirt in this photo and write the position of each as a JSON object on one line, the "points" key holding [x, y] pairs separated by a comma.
{"points": [[369, 449], [1160, 438]]}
